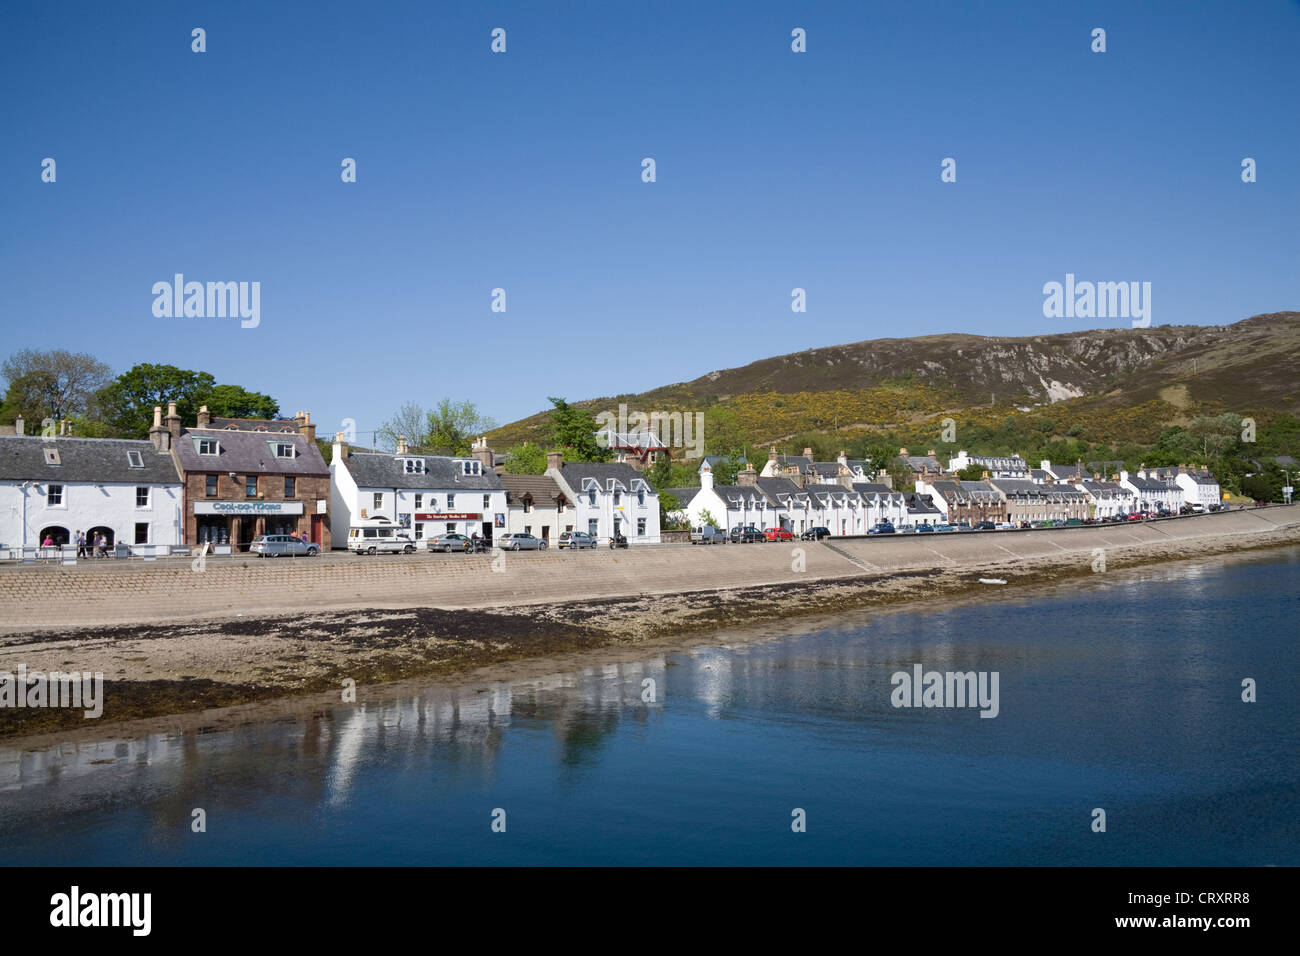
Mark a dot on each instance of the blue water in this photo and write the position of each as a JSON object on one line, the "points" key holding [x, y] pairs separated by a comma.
{"points": [[1121, 692]]}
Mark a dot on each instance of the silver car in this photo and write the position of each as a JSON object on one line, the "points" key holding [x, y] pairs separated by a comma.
{"points": [[577, 539], [278, 545], [448, 542], [522, 542]]}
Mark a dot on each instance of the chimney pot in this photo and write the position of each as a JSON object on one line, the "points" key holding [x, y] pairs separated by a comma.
{"points": [[19, 424], [554, 459], [401, 444], [204, 417]]}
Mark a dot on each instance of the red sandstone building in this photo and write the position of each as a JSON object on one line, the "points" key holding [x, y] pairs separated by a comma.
{"points": [[247, 476]]}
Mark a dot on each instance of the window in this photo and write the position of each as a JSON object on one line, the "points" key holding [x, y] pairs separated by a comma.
{"points": [[618, 498], [640, 498], [141, 498], [640, 526], [591, 527], [559, 508], [419, 502], [134, 459], [487, 502], [283, 449], [413, 466], [419, 529], [528, 529], [471, 466], [54, 496], [142, 532], [290, 486], [52, 456], [591, 497], [210, 486], [451, 502], [209, 446], [379, 500], [250, 486], [528, 505]]}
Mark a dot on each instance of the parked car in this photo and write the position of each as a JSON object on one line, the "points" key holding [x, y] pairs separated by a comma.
{"points": [[372, 539], [521, 542], [882, 527], [1074, 522], [986, 526], [448, 542], [778, 534], [708, 534], [746, 534], [576, 540], [925, 529], [618, 541], [816, 534], [945, 528], [278, 545]]}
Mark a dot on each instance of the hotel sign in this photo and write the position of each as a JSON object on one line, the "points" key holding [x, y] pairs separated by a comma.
{"points": [[447, 516], [248, 507]]}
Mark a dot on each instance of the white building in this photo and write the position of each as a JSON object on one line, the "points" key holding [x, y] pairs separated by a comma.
{"points": [[53, 487], [1011, 467], [1199, 488], [428, 494], [884, 504], [1151, 493], [538, 507], [608, 497], [729, 506]]}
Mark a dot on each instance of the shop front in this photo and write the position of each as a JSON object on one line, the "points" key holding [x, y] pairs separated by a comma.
{"points": [[468, 523], [235, 524]]}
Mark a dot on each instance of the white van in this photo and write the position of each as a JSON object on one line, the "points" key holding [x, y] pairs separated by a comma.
{"points": [[374, 538]]}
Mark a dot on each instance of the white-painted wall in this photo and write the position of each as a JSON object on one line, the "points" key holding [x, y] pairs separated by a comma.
{"points": [[89, 505]]}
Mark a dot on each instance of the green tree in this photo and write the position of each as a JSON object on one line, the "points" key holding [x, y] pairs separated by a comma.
{"points": [[526, 459], [234, 401], [971, 473], [574, 430], [56, 384], [127, 403], [453, 426]]}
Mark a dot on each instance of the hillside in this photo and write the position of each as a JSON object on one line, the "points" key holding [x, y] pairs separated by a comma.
{"points": [[899, 385]]}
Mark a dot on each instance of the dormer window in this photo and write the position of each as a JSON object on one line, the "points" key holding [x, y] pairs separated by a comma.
{"points": [[283, 449], [471, 466], [209, 446], [413, 466], [134, 459], [52, 456]]}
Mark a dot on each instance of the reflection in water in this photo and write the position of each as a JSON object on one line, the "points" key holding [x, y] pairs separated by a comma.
{"points": [[1123, 693]]}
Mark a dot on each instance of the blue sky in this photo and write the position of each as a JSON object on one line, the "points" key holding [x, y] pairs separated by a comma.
{"points": [[522, 171]]}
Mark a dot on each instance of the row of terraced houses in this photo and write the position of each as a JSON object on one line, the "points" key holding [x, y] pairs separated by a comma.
{"points": [[223, 481]]}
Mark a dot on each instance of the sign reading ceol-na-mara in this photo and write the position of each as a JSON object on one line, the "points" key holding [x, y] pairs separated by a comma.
{"points": [[248, 507]]}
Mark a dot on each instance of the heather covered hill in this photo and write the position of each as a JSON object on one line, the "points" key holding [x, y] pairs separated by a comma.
{"points": [[1093, 380]]}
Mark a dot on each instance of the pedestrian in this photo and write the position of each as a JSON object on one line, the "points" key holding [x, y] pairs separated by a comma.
{"points": [[81, 544], [45, 546], [101, 545]]}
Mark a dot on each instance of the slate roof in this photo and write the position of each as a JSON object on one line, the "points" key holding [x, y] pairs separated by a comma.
{"points": [[980, 491], [773, 487], [387, 471], [920, 505], [575, 472], [277, 425], [1068, 472], [684, 496], [919, 463], [98, 460], [1039, 475], [542, 488], [1147, 484], [1024, 488], [874, 488], [248, 452], [829, 489]]}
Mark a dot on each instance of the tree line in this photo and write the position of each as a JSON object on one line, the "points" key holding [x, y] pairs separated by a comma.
{"points": [[58, 385]]}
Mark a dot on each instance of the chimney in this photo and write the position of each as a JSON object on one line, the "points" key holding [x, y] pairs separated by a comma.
{"points": [[843, 459], [771, 453], [554, 459], [18, 425], [706, 477], [984, 475], [747, 477], [204, 418], [931, 453], [305, 426], [340, 447], [902, 453], [173, 420], [807, 452], [484, 454], [158, 434], [1182, 469], [401, 444]]}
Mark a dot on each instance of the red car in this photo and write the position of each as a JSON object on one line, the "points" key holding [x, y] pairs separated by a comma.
{"points": [[779, 534]]}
